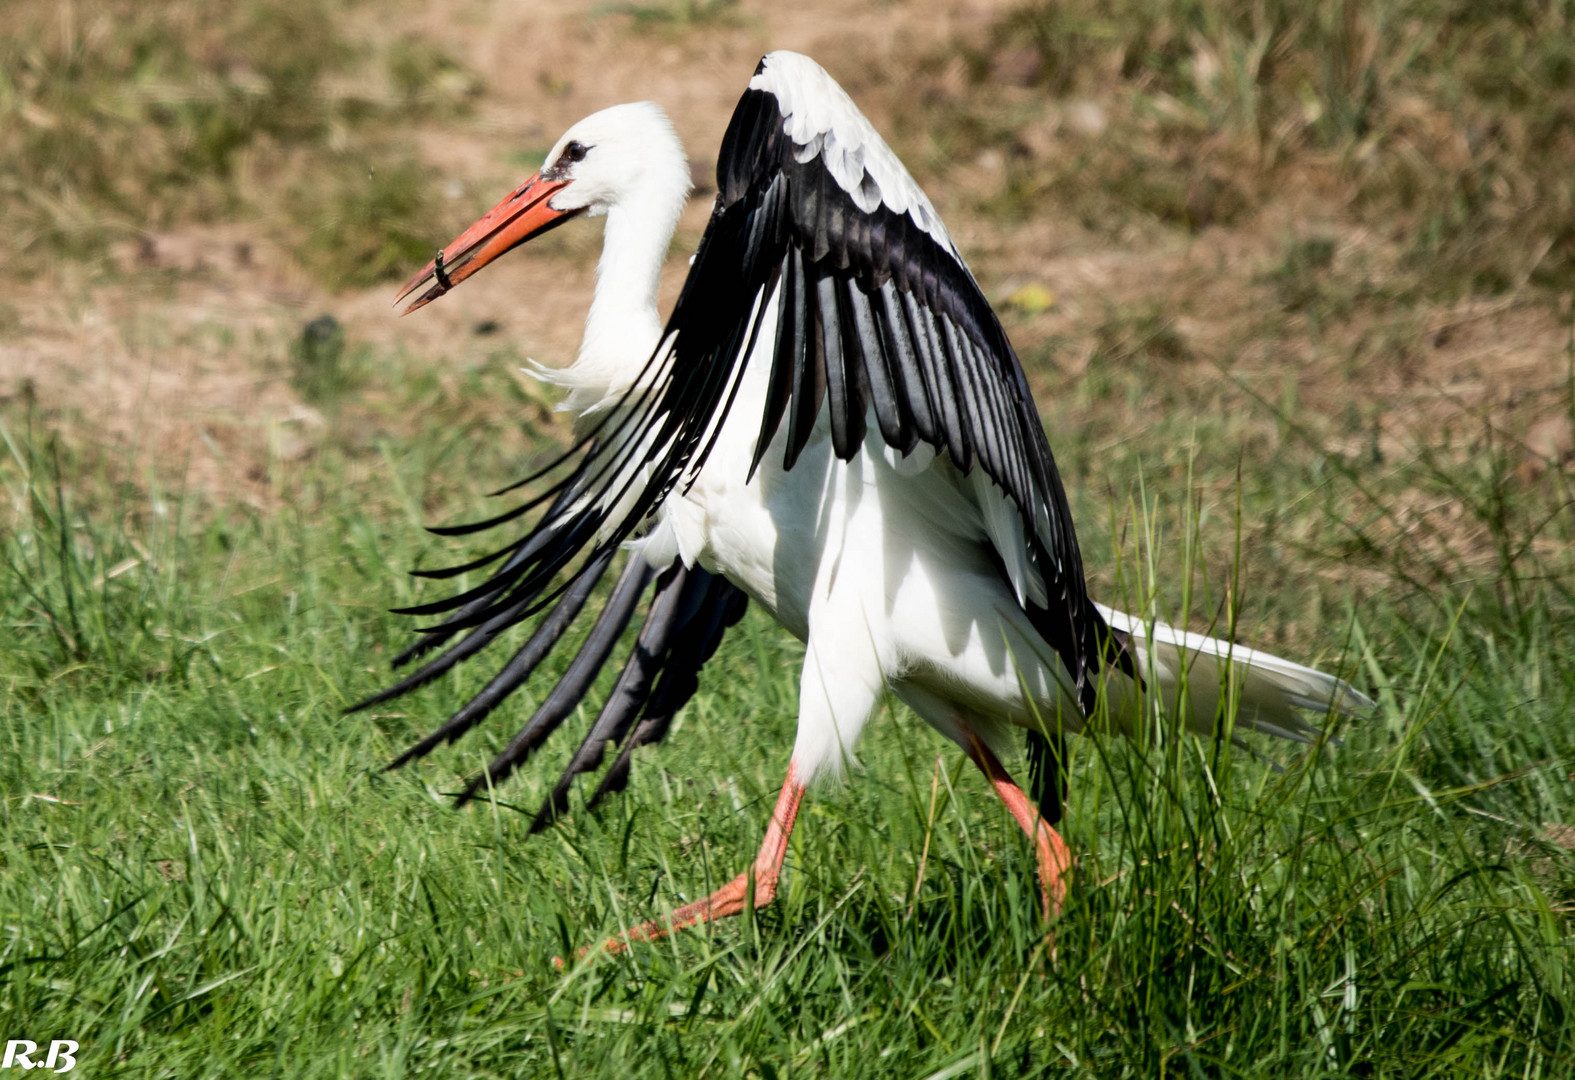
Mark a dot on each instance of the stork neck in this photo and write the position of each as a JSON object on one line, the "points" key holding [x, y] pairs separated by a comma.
{"points": [[623, 325]]}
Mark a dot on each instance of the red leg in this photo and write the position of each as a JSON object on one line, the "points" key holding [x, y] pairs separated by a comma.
{"points": [[1055, 859], [731, 898]]}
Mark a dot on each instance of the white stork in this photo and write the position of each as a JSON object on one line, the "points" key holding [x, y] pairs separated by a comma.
{"points": [[833, 424]]}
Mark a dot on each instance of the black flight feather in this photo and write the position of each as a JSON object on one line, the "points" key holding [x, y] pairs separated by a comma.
{"points": [[1047, 773]]}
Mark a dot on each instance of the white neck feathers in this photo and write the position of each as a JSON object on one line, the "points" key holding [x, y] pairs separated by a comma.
{"points": [[624, 326]]}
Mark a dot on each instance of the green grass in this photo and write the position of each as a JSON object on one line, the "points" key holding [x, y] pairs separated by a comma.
{"points": [[204, 873], [122, 117]]}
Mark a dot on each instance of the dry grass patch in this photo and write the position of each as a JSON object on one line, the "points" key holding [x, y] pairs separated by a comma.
{"points": [[1448, 125], [120, 118]]}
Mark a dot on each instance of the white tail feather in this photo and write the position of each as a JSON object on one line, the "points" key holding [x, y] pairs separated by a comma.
{"points": [[1273, 692]]}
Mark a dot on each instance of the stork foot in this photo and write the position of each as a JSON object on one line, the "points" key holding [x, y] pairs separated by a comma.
{"points": [[734, 897], [731, 899]]}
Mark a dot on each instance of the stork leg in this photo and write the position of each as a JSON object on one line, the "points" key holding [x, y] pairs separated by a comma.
{"points": [[732, 898], [1055, 859]]}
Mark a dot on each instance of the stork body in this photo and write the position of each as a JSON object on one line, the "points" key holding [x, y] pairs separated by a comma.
{"points": [[833, 424], [881, 566]]}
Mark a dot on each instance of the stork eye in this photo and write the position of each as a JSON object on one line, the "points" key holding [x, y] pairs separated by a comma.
{"points": [[574, 152]]}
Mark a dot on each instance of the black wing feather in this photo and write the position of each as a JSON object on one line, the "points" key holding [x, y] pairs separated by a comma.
{"points": [[855, 379], [725, 605], [1047, 773], [565, 697], [680, 620], [877, 381], [787, 359], [665, 425], [905, 372], [809, 377], [512, 675], [845, 410]]}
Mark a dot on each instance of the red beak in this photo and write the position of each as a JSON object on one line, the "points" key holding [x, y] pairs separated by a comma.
{"points": [[525, 214]]}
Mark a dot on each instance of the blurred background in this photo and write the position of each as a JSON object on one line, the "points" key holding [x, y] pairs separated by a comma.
{"points": [[1362, 212]]}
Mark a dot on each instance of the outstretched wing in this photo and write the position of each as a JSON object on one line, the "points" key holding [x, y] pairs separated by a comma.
{"points": [[881, 325]]}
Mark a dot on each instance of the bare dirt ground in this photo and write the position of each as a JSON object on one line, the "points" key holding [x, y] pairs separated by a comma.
{"points": [[176, 358]]}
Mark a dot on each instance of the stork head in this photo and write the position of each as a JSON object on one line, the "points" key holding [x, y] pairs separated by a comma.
{"points": [[618, 157]]}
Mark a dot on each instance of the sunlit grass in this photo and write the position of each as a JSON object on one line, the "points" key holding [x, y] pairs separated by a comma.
{"points": [[206, 873]]}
